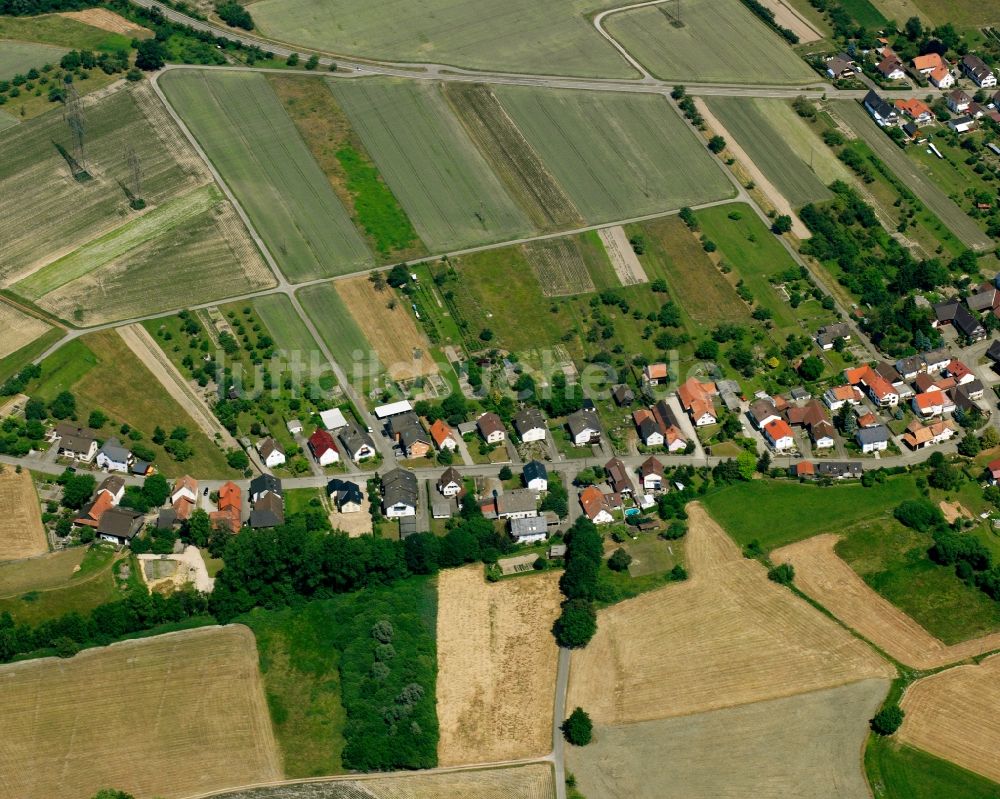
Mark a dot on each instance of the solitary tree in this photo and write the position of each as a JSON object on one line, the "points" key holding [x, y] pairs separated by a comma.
{"points": [[887, 720], [578, 729]]}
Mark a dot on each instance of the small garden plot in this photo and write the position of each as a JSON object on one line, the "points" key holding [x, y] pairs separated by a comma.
{"points": [[21, 531], [16, 58], [559, 267], [715, 41], [616, 155], [240, 123], [511, 157], [46, 214], [436, 171], [19, 329]]}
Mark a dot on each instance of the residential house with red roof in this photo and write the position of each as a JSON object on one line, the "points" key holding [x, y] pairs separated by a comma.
{"points": [[696, 400], [442, 436], [595, 505], [323, 448], [779, 435]]}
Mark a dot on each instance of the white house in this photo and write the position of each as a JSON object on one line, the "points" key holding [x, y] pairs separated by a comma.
{"points": [[822, 435], [323, 448], [185, 488], [114, 487], [873, 439], [779, 435], [530, 425], [584, 427], [294, 427], [271, 453], [979, 71], [113, 456], [529, 530], [491, 428], [399, 494], [596, 506], [651, 472], [838, 396], [450, 483], [535, 476]]}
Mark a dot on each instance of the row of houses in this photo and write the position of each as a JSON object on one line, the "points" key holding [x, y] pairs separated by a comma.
{"points": [[601, 502], [932, 66], [81, 444], [774, 417]]}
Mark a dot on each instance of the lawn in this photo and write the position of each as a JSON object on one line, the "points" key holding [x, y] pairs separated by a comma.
{"points": [[779, 512], [616, 156], [103, 373], [893, 560], [439, 176], [961, 13], [337, 327], [342, 156], [16, 58], [240, 123], [761, 140], [864, 13], [285, 325], [912, 175], [45, 214], [897, 771], [720, 41], [325, 704], [516, 36]]}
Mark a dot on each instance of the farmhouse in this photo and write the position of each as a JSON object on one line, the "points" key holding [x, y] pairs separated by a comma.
{"points": [[113, 457], [78, 443], [647, 428], [584, 427], [918, 436], [271, 452], [917, 110], [596, 506], [881, 391], [443, 436], [399, 493], [529, 530], [535, 476], [450, 482], [779, 435], [882, 111], [873, 439], [268, 511], [345, 495], [333, 419], [491, 428], [530, 425], [230, 508], [953, 312], [618, 476], [977, 70], [119, 525], [356, 442], [651, 473], [90, 515], [323, 448], [696, 400], [926, 64]]}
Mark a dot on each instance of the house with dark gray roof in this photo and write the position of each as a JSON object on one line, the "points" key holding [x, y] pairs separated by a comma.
{"points": [[268, 511], [584, 427], [264, 484], [530, 425], [873, 439], [113, 456], [78, 443], [119, 525], [346, 495], [838, 470], [357, 443], [400, 493], [535, 476]]}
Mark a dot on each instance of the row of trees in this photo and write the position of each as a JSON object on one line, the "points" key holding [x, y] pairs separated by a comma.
{"points": [[579, 584]]}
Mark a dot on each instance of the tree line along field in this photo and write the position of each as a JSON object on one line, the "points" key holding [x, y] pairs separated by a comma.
{"points": [[520, 36], [765, 145], [120, 274], [804, 746], [718, 41], [45, 213], [616, 155], [243, 128], [102, 373], [442, 180], [342, 156], [126, 715]]}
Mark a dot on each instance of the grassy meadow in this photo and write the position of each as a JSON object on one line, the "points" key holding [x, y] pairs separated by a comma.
{"points": [[62, 32], [284, 324], [902, 772], [240, 123], [435, 170], [516, 36], [638, 160], [16, 58], [719, 41]]}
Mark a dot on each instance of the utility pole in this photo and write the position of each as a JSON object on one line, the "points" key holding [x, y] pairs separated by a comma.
{"points": [[73, 114], [135, 177]]}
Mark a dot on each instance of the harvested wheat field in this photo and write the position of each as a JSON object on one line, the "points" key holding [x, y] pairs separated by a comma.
{"points": [[805, 746], [401, 345], [517, 782], [727, 636], [168, 716], [825, 577], [19, 329], [496, 666], [955, 714], [108, 21], [21, 531]]}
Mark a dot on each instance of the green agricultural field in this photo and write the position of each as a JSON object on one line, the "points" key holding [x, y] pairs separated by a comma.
{"points": [[441, 179], [65, 33], [10, 364], [910, 173], [16, 58], [240, 123], [316, 661], [45, 214], [778, 512], [673, 254], [893, 560], [750, 125], [104, 374], [284, 324], [804, 140], [864, 13], [342, 156], [617, 156], [337, 327], [515, 36], [120, 275], [719, 41], [897, 771]]}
